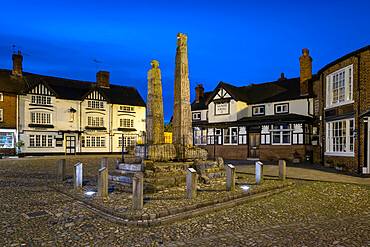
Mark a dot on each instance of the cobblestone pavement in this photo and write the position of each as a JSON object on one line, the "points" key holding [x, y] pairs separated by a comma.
{"points": [[312, 214]]}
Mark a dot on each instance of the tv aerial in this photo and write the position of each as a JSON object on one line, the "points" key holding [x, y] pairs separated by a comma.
{"points": [[97, 64]]}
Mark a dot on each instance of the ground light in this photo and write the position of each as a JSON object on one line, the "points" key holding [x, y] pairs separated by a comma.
{"points": [[90, 193], [244, 187]]}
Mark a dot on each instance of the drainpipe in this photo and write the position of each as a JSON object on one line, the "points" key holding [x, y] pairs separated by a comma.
{"points": [[358, 113], [323, 130], [17, 135], [79, 134], [111, 129]]}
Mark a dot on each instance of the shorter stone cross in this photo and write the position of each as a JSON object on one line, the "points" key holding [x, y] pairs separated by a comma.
{"points": [[191, 183], [137, 191], [103, 182], [61, 170], [282, 170], [104, 162], [78, 176], [259, 172], [230, 177]]}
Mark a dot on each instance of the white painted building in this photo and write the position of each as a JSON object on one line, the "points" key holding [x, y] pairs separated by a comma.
{"points": [[61, 116]]}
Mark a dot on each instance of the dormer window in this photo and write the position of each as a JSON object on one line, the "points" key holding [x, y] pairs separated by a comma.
{"points": [[258, 110], [41, 100], [95, 104], [196, 115], [281, 108]]}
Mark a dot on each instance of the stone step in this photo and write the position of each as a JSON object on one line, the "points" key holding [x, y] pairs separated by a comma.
{"points": [[124, 179], [131, 167]]}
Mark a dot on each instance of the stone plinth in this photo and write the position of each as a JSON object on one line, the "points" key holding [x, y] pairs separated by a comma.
{"points": [[137, 191], [104, 162], [282, 170], [103, 182], [78, 176], [182, 122], [61, 175], [154, 110], [230, 177], [259, 172], [191, 183]]}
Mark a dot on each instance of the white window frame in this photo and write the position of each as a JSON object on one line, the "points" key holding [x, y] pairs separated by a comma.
{"points": [[1, 97], [128, 141], [336, 81], [200, 136], [340, 137], [197, 115], [95, 104], [41, 118], [258, 110], [94, 141], [230, 136], [8, 141], [126, 108], [95, 121], [1, 115], [40, 141], [280, 132], [126, 123], [40, 100], [284, 108]]}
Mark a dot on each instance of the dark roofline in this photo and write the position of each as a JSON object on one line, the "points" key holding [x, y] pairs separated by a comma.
{"points": [[354, 53]]}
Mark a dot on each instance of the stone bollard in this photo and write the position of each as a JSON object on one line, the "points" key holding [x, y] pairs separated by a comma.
{"points": [[191, 183], [259, 172], [78, 176], [282, 170], [116, 164], [230, 177], [61, 170], [103, 182], [104, 162], [137, 191]]}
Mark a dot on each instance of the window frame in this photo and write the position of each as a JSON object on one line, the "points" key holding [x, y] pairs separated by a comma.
{"points": [[95, 104], [1, 97], [232, 136], [95, 121], [330, 83], [202, 137], [259, 112], [334, 141], [1, 115], [281, 134], [281, 105], [40, 141], [41, 118], [37, 99], [197, 114], [126, 123]]}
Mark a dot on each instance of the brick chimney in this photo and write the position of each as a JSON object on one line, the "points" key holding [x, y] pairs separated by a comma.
{"points": [[199, 92], [102, 78], [306, 71], [282, 77], [17, 64]]}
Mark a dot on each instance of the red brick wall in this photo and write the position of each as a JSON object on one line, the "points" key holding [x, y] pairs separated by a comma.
{"points": [[9, 106], [237, 152], [361, 95]]}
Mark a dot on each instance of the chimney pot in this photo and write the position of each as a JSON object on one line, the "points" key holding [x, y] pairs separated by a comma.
{"points": [[282, 77]]}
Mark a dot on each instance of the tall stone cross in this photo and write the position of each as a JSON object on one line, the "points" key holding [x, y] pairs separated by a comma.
{"points": [[181, 125], [154, 114]]}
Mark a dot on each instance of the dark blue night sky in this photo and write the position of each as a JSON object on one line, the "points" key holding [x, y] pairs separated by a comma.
{"points": [[238, 42]]}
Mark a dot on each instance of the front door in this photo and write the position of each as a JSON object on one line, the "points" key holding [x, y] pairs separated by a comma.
{"points": [[254, 145], [71, 144]]}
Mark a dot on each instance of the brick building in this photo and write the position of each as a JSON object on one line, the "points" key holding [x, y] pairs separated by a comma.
{"points": [[11, 85], [345, 111]]}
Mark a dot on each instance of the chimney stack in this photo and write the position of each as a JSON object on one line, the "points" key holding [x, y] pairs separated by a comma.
{"points": [[102, 78], [306, 71], [199, 92], [282, 77], [17, 64]]}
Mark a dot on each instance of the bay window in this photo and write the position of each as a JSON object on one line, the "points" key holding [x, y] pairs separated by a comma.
{"points": [[281, 134]]}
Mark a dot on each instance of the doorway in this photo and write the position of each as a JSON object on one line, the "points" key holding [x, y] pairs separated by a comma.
{"points": [[70, 144], [254, 145]]}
